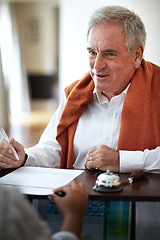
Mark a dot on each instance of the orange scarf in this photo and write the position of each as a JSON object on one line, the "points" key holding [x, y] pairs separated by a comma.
{"points": [[140, 121]]}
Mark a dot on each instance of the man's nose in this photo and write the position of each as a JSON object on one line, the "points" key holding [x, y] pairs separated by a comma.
{"points": [[99, 63]]}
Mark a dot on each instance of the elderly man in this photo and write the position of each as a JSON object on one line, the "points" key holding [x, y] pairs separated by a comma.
{"points": [[110, 119]]}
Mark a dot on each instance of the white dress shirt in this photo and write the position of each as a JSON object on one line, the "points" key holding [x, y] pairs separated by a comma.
{"points": [[99, 124]]}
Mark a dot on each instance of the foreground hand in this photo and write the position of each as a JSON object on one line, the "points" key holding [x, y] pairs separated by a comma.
{"points": [[102, 158], [72, 206], [7, 158], [75, 199]]}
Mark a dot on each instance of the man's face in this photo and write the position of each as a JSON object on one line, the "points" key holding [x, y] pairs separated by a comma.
{"points": [[110, 64]]}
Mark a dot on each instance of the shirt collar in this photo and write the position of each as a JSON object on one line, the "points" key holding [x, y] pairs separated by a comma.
{"points": [[102, 99]]}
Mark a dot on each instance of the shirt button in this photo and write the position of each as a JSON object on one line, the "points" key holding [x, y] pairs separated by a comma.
{"points": [[107, 139], [111, 114]]}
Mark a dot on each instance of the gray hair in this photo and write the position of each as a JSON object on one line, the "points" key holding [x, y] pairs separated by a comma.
{"points": [[134, 29], [18, 220]]}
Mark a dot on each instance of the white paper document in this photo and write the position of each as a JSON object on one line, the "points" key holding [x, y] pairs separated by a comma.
{"points": [[38, 180]]}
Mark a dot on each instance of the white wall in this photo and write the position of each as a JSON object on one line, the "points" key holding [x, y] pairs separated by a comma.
{"points": [[74, 16], [149, 11]]}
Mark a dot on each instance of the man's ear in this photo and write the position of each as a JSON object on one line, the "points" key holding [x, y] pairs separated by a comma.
{"points": [[138, 56]]}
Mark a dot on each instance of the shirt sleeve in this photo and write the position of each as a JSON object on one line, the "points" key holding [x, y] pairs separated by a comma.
{"points": [[64, 236], [47, 152], [148, 160]]}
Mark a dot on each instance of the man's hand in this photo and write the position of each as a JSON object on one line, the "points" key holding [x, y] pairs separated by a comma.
{"points": [[7, 158], [102, 158]]}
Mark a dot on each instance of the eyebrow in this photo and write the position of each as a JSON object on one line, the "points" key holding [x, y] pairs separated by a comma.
{"points": [[89, 49], [109, 51], [105, 50]]}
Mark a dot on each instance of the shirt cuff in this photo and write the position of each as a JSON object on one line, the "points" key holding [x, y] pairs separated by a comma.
{"points": [[28, 161], [64, 235], [131, 160]]}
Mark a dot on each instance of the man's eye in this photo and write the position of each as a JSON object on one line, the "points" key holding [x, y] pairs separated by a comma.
{"points": [[110, 54], [91, 53]]}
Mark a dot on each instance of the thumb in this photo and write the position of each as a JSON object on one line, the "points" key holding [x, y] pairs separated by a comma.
{"points": [[19, 147], [90, 165]]}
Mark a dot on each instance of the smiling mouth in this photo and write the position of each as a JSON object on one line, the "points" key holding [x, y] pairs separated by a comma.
{"points": [[101, 76]]}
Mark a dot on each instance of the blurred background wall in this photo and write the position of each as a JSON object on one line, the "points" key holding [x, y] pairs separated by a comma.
{"points": [[43, 48]]}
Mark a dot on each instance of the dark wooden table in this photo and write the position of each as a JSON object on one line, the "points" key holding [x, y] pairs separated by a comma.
{"points": [[147, 189]]}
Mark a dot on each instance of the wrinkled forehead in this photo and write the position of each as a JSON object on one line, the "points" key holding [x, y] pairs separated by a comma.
{"points": [[106, 34]]}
